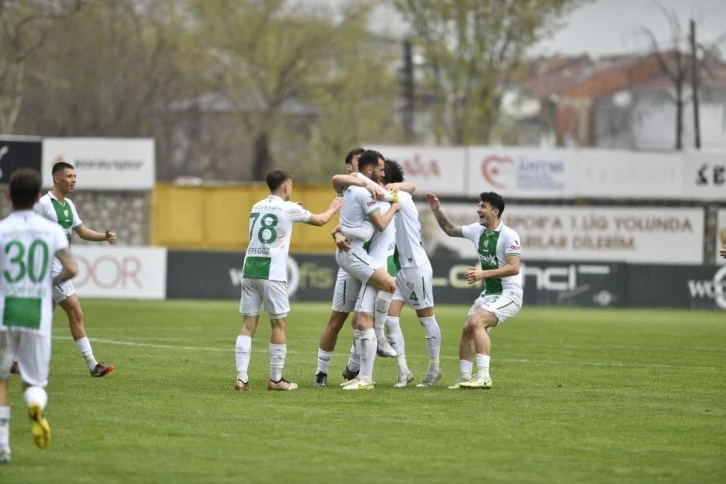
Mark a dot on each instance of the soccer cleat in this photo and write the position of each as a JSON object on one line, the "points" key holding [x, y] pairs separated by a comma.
{"points": [[15, 369], [349, 374], [358, 384], [477, 382], [101, 370], [4, 455], [385, 349], [403, 380], [40, 427], [429, 380], [282, 385], [242, 386], [457, 385], [321, 379]]}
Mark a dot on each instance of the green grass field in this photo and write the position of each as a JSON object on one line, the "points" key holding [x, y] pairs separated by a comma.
{"points": [[579, 396]]}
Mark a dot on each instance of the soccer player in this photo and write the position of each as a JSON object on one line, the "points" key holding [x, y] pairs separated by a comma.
{"points": [[57, 207], [264, 274], [499, 252], [413, 286], [347, 287], [28, 243], [359, 219]]}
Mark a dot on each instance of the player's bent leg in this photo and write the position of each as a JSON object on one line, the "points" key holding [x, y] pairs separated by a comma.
{"points": [[477, 326], [70, 303]]}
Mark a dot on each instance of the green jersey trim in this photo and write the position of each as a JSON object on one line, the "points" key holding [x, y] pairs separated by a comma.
{"points": [[22, 312], [257, 268]]}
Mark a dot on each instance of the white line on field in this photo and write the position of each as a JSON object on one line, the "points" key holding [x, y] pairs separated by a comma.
{"points": [[506, 360]]}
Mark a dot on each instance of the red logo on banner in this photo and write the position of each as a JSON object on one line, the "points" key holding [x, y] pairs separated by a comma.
{"points": [[109, 272], [425, 169], [491, 168]]}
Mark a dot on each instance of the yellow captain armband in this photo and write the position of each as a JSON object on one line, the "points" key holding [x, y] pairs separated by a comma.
{"points": [[394, 197]]}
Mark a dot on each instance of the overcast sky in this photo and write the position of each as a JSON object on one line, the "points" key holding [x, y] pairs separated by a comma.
{"points": [[611, 26]]}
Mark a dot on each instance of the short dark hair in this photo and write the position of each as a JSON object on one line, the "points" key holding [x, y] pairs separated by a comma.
{"points": [[353, 153], [60, 166], [494, 199], [394, 172], [369, 157], [25, 186], [277, 177]]}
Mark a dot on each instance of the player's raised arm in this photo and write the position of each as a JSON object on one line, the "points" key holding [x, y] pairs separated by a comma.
{"points": [[446, 225], [340, 182], [88, 234], [404, 186], [381, 221], [321, 219]]}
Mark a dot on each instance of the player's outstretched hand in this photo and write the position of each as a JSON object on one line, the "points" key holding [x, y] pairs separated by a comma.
{"points": [[474, 274], [337, 203], [110, 237], [433, 200]]}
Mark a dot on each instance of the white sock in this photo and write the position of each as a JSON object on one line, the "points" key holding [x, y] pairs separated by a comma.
{"points": [[5, 427], [36, 395], [367, 351], [354, 357], [242, 352], [277, 361], [324, 358], [433, 341], [482, 364], [397, 342], [465, 369], [84, 348], [382, 304]]}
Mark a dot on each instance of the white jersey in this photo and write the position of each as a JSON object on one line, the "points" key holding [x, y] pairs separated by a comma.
{"points": [[28, 243], [493, 250], [271, 222], [359, 205], [63, 213], [383, 244], [409, 244]]}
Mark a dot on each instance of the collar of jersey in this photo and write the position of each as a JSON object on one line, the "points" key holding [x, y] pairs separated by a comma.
{"points": [[274, 196], [498, 229], [50, 194]]}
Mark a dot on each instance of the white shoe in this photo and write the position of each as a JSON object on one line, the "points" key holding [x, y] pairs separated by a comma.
{"points": [[477, 382], [403, 380], [4, 455], [359, 385], [385, 349], [457, 385], [429, 380]]}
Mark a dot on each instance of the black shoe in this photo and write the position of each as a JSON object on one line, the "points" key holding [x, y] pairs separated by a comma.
{"points": [[349, 375], [321, 379]]}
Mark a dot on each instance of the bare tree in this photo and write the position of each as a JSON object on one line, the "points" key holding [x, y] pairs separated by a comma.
{"points": [[24, 29], [470, 46]]}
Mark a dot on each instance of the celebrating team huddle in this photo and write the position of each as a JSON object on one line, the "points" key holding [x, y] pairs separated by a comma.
{"points": [[383, 265]]}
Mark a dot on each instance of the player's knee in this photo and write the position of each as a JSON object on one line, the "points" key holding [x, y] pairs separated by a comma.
{"points": [[390, 285]]}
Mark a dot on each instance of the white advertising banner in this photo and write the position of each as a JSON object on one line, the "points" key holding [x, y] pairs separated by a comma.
{"points": [[120, 272], [432, 169], [720, 235], [522, 173], [103, 163], [657, 235], [704, 176], [618, 174]]}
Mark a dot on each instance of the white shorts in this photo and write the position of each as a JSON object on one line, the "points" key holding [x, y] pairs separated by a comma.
{"points": [[63, 291], [357, 263], [345, 293], [273, 294], [366, 302], [502, 306], [30, 350], [413, 285]]}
